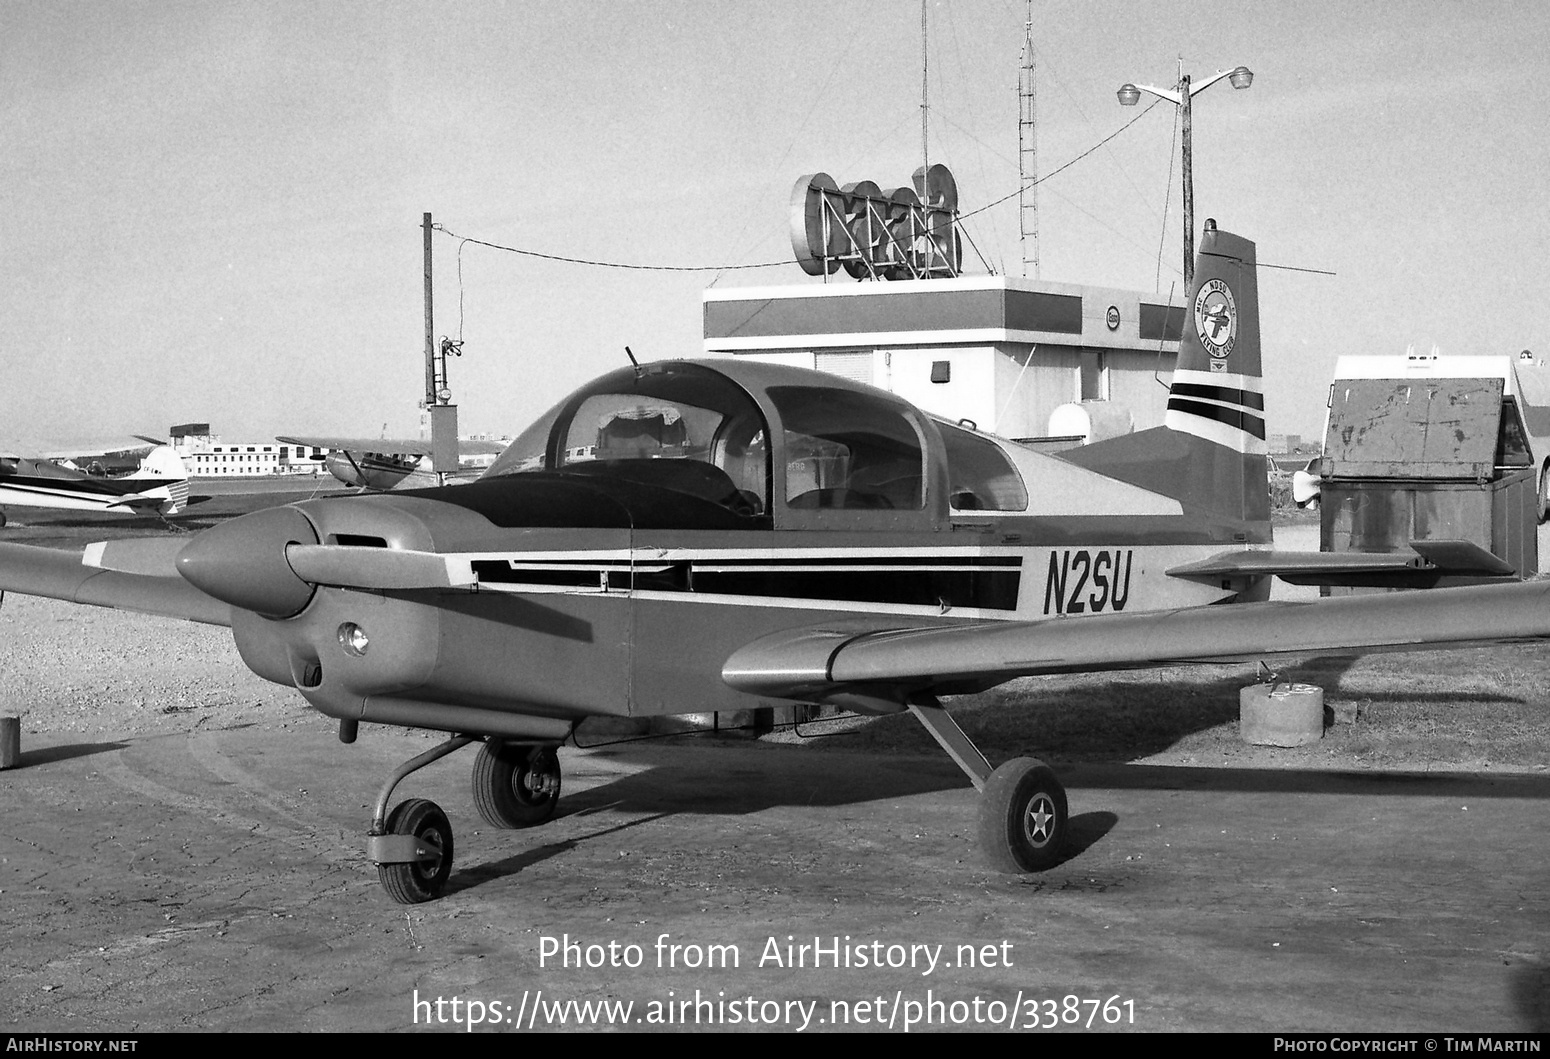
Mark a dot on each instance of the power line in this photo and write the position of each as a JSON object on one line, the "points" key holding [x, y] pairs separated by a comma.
{"points": [[772, 264], [604, 264]]}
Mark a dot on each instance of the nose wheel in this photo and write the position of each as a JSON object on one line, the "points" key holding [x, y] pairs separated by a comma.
{"points": [[423, 878]]}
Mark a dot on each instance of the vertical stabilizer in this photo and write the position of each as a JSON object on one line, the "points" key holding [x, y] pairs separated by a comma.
{"points": [[1217, 392], [162, 463], [1209, 454]]}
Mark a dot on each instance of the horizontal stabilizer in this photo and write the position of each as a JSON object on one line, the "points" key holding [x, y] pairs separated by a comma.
{"points": [[834, 664], [1458, 558]]}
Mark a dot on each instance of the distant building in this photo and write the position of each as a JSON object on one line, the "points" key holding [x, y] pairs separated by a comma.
{"points": [[205, 455]]}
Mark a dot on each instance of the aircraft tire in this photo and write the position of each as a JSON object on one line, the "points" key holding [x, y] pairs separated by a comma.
{"points": [[1544, 494], [2, 519], [514, 785], [1023, 819], [412, 884]]}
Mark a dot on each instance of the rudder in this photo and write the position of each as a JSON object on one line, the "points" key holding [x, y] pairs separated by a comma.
{"points": [[1218, 392], [1210, 452]]}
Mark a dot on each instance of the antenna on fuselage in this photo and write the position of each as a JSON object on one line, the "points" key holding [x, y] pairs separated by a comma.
{"points": [[639, 371]]}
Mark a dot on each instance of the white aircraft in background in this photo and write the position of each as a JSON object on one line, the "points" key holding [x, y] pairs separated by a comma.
{"points": [[159, 486], [380, 464]]}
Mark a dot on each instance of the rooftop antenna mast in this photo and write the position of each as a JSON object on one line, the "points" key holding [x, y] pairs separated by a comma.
{"points": [[1028, 154], [925, 109]]}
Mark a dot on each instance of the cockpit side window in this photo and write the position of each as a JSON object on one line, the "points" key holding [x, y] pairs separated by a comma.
{"points": [[849, 450], [980, 476]]}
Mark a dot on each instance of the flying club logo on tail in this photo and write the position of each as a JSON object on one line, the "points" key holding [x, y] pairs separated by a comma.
{"points": [[1217, 392]]}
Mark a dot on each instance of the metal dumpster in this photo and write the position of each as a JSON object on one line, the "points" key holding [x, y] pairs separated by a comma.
{"points": [[1428, 459]]}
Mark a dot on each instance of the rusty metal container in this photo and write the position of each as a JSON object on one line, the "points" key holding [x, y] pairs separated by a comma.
{"points": [[1428, 459]]}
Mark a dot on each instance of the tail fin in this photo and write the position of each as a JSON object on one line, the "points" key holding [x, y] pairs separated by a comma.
{"points": [[162, 463], [1209, 454], [1218, 393]]}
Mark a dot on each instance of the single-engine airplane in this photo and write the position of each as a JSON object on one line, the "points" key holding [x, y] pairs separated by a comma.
{"points": [[380, 464], [710, 535], [159, 486]]}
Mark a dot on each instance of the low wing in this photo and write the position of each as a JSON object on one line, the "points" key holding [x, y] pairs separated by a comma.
{"points": [[141, 578], [882, 670], [1436, 557], [391, 446]]}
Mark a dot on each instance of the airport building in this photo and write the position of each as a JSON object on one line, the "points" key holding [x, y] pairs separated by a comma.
{"points": [[205, 455], [1004, 353], [1056, 363]]}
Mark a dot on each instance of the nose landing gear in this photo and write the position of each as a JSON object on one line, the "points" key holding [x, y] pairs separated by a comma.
{"points": [[515, 785]]}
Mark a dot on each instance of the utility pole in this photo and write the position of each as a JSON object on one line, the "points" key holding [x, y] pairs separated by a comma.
{"points": [[1180, 96], [430, 322], [1188, 154], [445, 455]]}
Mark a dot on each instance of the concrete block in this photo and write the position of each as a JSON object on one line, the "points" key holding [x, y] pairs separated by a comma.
{"points": [[1281, 714]]}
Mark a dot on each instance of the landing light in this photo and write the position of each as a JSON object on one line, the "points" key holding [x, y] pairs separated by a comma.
{"points": [[353, 639]]}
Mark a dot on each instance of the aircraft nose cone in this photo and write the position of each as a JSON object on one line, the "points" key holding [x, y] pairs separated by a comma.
{"points": [[242, 562]]}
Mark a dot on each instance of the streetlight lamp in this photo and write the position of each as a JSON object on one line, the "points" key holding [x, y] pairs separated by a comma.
{"points": [[1241, 77]]}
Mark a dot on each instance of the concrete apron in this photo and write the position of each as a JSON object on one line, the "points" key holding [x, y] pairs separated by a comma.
{"points": [[217, 881]]}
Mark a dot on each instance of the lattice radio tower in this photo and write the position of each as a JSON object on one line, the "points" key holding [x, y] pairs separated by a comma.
{"points": [[1028, 154]]}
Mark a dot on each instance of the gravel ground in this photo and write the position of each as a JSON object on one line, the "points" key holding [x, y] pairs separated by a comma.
{"points": [[89, 671]]}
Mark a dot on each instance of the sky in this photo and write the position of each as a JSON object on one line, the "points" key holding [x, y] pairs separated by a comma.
{"points": [[211, 211]]}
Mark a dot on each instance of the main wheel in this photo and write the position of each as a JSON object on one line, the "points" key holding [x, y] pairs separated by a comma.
{"points": [[515, 785], [1544, 493], [1022, 825], [422, 880]]}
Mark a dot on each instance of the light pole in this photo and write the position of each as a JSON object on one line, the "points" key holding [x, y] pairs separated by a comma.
{"points": [[1129, 94]]}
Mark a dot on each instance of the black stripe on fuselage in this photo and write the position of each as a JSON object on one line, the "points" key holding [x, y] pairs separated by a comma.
{"points": [[920, 582], [1233, 417], [1227, 394]]}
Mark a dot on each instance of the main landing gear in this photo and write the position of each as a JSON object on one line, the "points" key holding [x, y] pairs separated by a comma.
{"points": [[515, 785], [1023, 820]]}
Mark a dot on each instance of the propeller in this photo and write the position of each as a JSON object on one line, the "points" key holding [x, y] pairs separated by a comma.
{"points": [[242, 562], [270, 562]]}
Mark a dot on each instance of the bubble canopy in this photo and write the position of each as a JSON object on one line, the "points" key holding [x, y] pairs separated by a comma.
{"points": [[760, 439]]}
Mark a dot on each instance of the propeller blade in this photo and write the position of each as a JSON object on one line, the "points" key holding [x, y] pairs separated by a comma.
{"points": [[352, 566], [148, 556]]}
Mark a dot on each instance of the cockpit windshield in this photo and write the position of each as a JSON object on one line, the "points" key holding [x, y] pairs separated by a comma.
{"points": [[682, 427]]}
